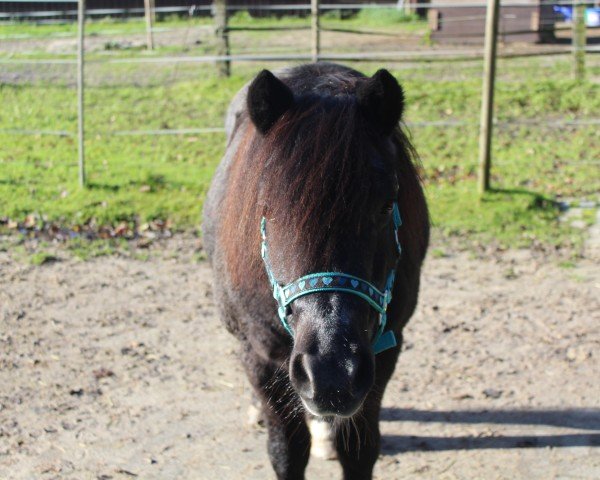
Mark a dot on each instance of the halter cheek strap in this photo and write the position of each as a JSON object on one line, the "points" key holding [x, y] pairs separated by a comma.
{"points": [[338, 282]]}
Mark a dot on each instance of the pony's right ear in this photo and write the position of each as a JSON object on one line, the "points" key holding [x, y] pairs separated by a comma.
{"points": [[268, 99], [382, 99]]}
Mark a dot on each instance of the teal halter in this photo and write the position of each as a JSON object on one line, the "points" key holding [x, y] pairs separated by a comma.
{"points": [[337, 282]]}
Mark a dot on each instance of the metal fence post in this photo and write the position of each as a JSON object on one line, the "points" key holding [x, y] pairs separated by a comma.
{"points": [[149, 14], [222, 34], [578, 40], [80, 96], [487, 96], [315, 30]]}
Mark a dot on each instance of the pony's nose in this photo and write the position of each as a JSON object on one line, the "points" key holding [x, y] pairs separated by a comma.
{"points": [[301, 376], [330, 385]]}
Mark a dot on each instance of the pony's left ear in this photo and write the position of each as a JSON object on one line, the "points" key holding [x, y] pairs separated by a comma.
{"points": [[268, 99], [382, 100]]}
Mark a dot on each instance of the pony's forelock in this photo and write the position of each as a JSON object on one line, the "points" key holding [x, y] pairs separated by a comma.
{"points": [[310, 175], [314, 170]]}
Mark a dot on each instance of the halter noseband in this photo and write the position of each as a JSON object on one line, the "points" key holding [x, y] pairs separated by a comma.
{"points": [[338, 282]]}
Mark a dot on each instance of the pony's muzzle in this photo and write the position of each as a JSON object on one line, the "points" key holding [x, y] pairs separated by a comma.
{"points": [[331, 385]]}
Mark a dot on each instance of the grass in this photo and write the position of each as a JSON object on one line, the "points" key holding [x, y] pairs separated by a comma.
{"points": [[43, 252], [129, 177], [41, 258], [513, 218], [136, 179], [85, 249]]}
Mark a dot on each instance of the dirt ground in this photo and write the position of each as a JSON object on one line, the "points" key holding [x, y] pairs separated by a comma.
{"points": [[118, 368]]}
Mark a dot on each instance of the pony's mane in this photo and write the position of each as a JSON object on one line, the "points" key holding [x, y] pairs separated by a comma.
{"points": [[310, 175]]}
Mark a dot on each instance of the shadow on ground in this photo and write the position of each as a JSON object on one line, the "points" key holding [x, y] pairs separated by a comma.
{"points": [[584, 419]]}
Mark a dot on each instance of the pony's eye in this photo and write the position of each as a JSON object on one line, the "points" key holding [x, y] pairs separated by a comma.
{"points": [[387, 207]]}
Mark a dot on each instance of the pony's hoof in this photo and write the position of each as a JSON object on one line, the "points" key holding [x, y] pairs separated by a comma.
{"points": [[322, 440], [255, 416]]}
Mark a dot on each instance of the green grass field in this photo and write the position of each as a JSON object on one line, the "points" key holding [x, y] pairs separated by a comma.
{"points": [[140, 178]]}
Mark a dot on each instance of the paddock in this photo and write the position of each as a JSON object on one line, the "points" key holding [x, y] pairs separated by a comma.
{"points": [[118, 367]]}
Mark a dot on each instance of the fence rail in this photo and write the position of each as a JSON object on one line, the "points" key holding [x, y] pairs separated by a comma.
{"points": [[551, 124], [413, 56]]}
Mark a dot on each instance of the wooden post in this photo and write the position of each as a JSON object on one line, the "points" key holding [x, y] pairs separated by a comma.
{"points": [[222, 34], [149, 13], [578, 40], [487, 96], [153, 11], [315, 30], [80, 97]]}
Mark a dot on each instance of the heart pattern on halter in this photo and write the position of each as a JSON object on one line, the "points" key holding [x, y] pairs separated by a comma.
{"points": [[334, 282]]}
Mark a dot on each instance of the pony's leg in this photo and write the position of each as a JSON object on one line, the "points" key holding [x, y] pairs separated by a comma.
{"points": [[358, 440], [288, 435], [288, 444], [255, 412]]}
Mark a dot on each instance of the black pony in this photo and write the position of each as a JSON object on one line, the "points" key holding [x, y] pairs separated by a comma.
{"points": [[316, 160]]}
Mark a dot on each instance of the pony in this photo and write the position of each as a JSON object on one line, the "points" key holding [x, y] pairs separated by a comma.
{"points": [[316, 227]]}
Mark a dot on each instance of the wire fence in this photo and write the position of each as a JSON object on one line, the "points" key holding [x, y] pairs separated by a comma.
{"points": [[38, 49]]}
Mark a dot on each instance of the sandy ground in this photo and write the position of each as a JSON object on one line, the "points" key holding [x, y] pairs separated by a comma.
{"points": [[118, 368]]}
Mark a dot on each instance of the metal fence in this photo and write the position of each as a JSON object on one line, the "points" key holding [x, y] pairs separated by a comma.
{"points": [[98, 54]]}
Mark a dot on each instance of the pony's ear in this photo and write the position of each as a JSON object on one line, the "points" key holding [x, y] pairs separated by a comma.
{"points": [[268, 99], [382, 100]]}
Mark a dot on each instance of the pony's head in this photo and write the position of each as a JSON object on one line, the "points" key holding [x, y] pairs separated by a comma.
{"points": [[327, 179]]}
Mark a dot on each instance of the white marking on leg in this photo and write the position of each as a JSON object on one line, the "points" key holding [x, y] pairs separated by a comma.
{"points": [[322, 439], [254, 416]]}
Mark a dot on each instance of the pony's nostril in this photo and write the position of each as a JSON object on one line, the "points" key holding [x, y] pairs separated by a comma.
{"points": [[298, 373], [301, 377]]}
